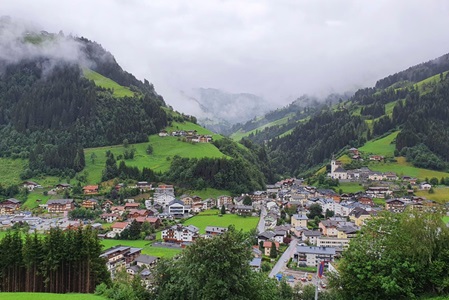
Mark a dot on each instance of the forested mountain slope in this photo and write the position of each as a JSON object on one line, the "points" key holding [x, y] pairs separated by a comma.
{"points": [[414, 101]]}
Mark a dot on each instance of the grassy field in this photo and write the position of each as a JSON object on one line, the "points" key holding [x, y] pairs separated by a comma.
{"points": [[10, 170], [146, 245], [350, 187], [237, 136], [35, 195], [446, 219], [48, 296], [104, 82], [381, 146], [441, 194], [402, 167], [211, 218], [164, 148]]}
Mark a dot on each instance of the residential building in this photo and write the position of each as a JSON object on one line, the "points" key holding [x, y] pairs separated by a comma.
{"points": [[90, 203], [60, 205], [117, 229], [395, 205], [332, 242], [244, 210], [9, 206], [256, 264], [312, 256], [120, 257], [224, 200], [359, 215], [311, 236], [214, 230], [180, 234], [299, 220], [90, 190], [176, 208], [267, 247]]}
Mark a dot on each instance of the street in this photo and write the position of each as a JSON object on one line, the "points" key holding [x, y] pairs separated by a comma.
{"points": [[261, 225], [282, 262]]}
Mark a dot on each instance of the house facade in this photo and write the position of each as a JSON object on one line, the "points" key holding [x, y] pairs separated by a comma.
{"points": [[60, 205], [180, 234]]}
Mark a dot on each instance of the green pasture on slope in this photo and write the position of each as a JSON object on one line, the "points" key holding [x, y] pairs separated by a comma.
{"points": [[382, 146], [212, 218], [104, 82], [350, 187], [148, 249]]}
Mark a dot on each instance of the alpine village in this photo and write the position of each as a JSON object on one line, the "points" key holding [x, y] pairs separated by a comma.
{"points": [[107, 192]]}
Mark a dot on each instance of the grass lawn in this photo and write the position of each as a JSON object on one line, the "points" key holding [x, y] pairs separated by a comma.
{"points": [[446, 219], [146, 245], [164, 148], [402, 167], [345, 159], [379, 201], [350, 187], [48, 296], [104, 82], [206, 219], [441, 194], [10, 170], [35, 195], [382, 146]]}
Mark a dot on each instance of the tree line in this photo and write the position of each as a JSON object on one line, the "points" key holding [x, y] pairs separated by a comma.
{"points": [[59, 262]]}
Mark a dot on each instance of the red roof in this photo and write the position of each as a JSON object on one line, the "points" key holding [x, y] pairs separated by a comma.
{"points": [[267, 244], [130, 205], [90, 187], [120, 225]]}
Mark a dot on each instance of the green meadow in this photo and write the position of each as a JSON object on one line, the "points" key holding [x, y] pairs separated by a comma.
{"points": [[441, 194], [208, 193], [212, 218], [164, 149], [350, 187], [104, 82], [237, 136], [403, 168], [146, 245], [10, 170], [382, 146], [48, 296]]}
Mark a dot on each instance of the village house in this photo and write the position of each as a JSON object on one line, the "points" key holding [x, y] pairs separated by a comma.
{"points": [[187, 200], [299, 220], [155, 221], [120, 257], [265, 236], [395, 205], [379, 191], [109, 218], [164, 194], [214, 230], [120, 210], [90, 190], [9, 206], [117, 229], [365, 200], [311, 256], [60, 205], [144, 186], [256, 264], [280, 235], [329, 228], [90, 204], [163, 133], [180, 234], [332, 242], [130, 206], [425, 186], [224, 200], [359, 215], [135, 213], [176, 208], [267, 247], [310, 236], [243, 210], [376, 158], [31, 185], [63, 186], [346, 232]]}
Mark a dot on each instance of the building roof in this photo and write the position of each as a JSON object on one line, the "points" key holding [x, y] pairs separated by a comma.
{"points": [[339, 170], [13, 200], [256, 262], [176, 201], [300, 217], [90, 187], [145, 259], [315, 250], [119, 225], [60, 201], [215, 229], [312, 233], [268, 244]]}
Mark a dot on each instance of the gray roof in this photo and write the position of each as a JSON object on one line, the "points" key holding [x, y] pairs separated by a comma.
{"points": [[60, 201], [267, 234], [176, 201], [256, 262], [13, 200], [146, 259], [216, 229], [300, 217], [315, 250], [312, 233]]}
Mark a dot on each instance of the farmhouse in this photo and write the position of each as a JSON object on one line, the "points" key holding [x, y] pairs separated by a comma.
{"points": [[117, 229], [395, 205], [31, 185], [109, 218], [9, 206], [90, 190], [90, 204]]}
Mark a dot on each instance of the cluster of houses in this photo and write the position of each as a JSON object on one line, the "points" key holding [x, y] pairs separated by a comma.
{"points": [[188, 135]]}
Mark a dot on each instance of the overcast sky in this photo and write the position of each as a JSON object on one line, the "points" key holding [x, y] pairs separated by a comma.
{"points": [[278, 49]]}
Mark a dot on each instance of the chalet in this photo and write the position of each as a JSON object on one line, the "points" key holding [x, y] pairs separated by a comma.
{"points": [[155, 221], [90, 204], [365, 200], [265, 236], [376, 158], [255, 264], [63, 186], [425, 186], [395, 205], [107, 204], [409, 179], [376, 176], [208, 203], [120, 210], [90, 189], [163, 133], [135, 213], [354, 151], [180, 234], [244, 210], [109, 218], [144, 186], [267, 247], [378, 191], [119, 257], [130, 206], [146, 261], [213, 230], [31, 185], [60, 205], [12, 202], [117, 229], [187, 200], [164, 194], [391, 176]]}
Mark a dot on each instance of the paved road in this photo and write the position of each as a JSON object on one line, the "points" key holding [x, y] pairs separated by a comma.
{"points": [[282, 262], [261, 225]]}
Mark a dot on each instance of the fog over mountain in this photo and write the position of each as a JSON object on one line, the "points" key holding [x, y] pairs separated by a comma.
{"points": [[277, 50]]}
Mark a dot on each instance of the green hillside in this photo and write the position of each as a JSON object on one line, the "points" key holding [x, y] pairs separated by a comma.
{"points": [[104, 82], [164, 148], [237, 136], [382, 146]]}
